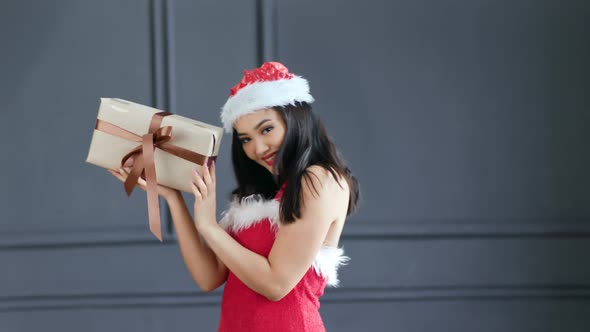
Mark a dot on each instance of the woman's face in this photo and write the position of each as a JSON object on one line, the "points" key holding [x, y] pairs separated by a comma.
{"points": [[261, 134]]}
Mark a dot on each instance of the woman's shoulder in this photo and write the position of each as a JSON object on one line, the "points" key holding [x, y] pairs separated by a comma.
{"points": [[320, 178], [326, 193]]}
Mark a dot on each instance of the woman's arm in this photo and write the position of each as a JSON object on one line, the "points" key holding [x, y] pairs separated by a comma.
{"points": [[295, 247], [206, 269]]}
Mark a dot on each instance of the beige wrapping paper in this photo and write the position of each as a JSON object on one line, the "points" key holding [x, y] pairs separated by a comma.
{"points": [[108, 150]]}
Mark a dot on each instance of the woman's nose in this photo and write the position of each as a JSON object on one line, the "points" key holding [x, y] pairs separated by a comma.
{"points": [[261, 147]]}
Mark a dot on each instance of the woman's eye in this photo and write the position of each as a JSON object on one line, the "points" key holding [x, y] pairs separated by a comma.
{"points": [[266, 130], [245, 140]]}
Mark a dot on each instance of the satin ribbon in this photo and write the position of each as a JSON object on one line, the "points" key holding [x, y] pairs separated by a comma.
{"points": [[141, 161]]}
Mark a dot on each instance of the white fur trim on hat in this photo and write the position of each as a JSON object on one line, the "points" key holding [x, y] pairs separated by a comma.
{"points": [[254, 209], [266, 94]]}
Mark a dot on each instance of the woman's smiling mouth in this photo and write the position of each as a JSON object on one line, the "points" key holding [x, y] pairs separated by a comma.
{"points": [[269, 159]]}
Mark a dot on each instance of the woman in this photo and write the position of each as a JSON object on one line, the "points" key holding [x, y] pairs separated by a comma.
{"points": [[276, 247]]}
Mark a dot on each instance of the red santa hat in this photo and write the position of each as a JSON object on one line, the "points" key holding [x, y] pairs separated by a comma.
{"points": [[267, 86]]}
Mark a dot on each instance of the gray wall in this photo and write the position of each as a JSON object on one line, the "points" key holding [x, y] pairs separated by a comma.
{"points": [[465, 121]]}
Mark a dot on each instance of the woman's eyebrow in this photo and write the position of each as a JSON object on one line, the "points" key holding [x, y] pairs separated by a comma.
{"points": [[260, 123], [257, 126]]}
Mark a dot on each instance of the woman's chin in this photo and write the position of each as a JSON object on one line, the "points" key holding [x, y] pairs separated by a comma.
{"points": [[268, 168]]}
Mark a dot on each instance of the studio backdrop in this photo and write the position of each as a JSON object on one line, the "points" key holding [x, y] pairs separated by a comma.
{"points": [[467, 124]]}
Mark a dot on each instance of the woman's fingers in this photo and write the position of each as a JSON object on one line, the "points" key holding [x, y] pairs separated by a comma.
{"points": [[207, 176], [198, 181], [196, 192], [213, 176], [201, 184], [116, 174], [140, 182]]}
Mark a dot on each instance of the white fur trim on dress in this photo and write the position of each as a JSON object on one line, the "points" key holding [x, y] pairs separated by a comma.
{"points": [[261, 95], [327, 262], [253, 209]]}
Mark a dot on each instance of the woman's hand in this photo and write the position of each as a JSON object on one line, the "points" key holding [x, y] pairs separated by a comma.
{"points": [[166, 192], [203, 187]]}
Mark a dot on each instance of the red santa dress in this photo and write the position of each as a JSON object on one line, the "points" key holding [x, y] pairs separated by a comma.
{"points": [[253, 222]]}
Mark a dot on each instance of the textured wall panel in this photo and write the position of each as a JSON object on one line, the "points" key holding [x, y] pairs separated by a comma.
{"points": [[63, 56], [452, 111], [396, 267]]}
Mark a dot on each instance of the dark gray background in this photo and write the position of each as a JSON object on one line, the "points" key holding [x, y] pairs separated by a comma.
{"points": [[467, 123]]}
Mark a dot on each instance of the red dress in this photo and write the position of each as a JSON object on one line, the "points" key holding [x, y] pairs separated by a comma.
{"points": [[253, 223]]}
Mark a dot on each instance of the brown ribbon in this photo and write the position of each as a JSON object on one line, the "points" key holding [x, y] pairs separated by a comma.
{"points": [[141, 160]]}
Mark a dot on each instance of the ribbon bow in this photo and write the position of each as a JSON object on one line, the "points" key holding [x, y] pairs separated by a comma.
{"points": [[141, 161]]}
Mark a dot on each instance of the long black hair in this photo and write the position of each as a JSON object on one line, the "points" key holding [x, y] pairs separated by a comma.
{"points": [[306, 143]]}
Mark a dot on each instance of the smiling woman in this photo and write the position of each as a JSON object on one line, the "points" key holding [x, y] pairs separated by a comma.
{"points": [[276, 246], [279, 238], [262, 136]]}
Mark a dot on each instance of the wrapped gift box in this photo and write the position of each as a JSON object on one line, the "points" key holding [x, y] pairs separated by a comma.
{"points": [[129, 133]]}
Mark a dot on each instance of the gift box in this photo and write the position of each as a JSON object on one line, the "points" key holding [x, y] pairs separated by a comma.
{"points": [[161, 147]]}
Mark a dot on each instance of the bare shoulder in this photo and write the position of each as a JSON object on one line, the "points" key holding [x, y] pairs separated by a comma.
{"points": [[322, 184], [324, 198]]}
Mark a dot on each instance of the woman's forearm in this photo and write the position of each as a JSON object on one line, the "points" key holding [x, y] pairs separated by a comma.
{"points": [[251, 268], [207, 271]]}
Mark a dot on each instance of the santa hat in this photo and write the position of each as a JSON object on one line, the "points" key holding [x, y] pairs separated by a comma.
{"points": [[267, 86]]}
